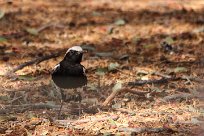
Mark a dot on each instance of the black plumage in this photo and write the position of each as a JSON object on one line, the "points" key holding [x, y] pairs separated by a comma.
{"points": [[69, 73]]}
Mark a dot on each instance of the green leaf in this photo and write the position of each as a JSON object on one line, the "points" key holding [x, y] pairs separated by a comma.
{"points": [[95, 13], [112, 122], [120, 22], [169, 40], [32, 31], [2, 13], [104, 54], [135, 40], [26, 77], [113, 66], [117, 86], [101, 71], [2, 39], [110, 30], [149, 46], [180, 69]]}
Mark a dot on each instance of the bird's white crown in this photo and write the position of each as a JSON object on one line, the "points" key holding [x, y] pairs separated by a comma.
{"points": [[75, 48]]}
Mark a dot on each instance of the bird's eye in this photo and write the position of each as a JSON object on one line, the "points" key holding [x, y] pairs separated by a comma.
{"points": [[71, 51]]}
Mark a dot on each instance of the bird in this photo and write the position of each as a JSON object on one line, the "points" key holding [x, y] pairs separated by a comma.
{"points": [[70, 74]]}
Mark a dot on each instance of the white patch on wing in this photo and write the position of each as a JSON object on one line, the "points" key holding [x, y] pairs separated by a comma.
{"points": [[57, 66], [84, 71], [75, 48]]}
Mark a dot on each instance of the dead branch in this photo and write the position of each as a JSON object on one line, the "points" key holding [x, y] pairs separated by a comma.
{"points": [[196, 79], [70, 109], [75, 122], [23, 107], [178, 96], [142, 130], [33, 106], [115, 93], [163, 80], [39, 29], [15, 99], [142, 82], [34, 61], [110, 97]]}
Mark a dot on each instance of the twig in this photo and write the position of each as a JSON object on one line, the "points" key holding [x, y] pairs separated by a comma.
{"points": [[182, 77], [42, 28], [115, 93], [142, 82], [35, 61], [20, 108], [75, 122], [33, 106], [177, 96], [161, 74], [15, 99], [142, 130]]}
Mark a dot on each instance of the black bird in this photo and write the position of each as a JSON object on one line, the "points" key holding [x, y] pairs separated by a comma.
{"points": [[69, 73]]}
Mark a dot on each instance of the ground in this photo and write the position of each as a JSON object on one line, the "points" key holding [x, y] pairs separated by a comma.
{"points": [[123, 40]]}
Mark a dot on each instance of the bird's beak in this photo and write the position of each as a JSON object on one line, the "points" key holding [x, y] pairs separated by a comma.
{"points": [[84, 51]]}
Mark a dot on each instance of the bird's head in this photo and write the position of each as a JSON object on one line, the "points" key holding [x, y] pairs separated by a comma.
{"points": [[74, 54]]}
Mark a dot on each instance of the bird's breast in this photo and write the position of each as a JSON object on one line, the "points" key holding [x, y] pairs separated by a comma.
{"points": [[69, 82]]}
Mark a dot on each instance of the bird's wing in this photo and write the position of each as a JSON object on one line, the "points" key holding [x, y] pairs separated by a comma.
{"points": [[56, 69]]}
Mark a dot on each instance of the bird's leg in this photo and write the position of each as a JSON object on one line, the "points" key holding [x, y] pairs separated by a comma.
{"points": [[59, 113], [61, 103], [78, 98]]}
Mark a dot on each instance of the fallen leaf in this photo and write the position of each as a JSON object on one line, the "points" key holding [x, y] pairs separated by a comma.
{"points": [[2, 39], [32, 31], [180, 69], [120, 22], [117, 86], [96, 13], [169, 40], [113, 66], [101, 71], [2, 13]]}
